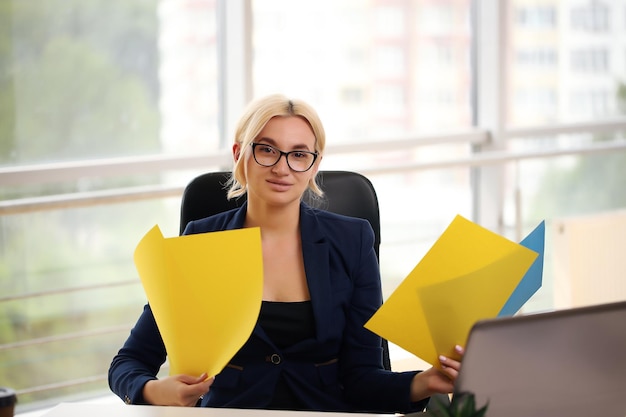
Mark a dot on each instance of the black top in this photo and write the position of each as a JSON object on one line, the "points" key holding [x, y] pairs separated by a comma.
{"points": [[287, 323]]}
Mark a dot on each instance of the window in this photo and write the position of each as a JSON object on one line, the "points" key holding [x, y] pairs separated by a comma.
{"points": [[592, 60], [536, 17], [592, 17], [536, 58], [594, 102], [535, 100]]}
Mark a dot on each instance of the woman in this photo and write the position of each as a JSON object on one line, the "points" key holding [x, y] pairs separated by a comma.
{"points": [[309, 349]]}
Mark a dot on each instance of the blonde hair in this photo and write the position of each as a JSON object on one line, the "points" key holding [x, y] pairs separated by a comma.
{"points": [[254, 119]]}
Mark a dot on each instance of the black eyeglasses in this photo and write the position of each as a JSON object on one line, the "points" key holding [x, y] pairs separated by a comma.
{"points": [[267, 156]]}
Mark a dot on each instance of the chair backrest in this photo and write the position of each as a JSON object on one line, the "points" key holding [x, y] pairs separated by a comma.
{"points": [[345, 192]]}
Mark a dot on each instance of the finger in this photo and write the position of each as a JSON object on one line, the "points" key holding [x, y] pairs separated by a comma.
{"points": [[206, 384], [200, 388], [202, 377], [192, 380], [449, 363], [451, 373], [460, 350]]}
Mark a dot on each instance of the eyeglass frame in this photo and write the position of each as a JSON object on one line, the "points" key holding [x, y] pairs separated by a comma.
{"points": [[280, 155]]}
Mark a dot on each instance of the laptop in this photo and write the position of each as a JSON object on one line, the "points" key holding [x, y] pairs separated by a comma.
{"points": [[567, 363]]}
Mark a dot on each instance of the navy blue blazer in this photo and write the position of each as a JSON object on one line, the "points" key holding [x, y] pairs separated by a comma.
{"points": [[339, 370]]}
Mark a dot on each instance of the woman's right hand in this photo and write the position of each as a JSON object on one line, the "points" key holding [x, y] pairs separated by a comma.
{"points": [[177, 390]]}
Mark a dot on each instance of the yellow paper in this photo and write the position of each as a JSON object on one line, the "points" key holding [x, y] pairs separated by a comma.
{"points": [[205, 292], [467, 275]]}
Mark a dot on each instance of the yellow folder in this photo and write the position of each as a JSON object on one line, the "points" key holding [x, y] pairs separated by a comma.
{"points": [[205, 292], [467, 275]]}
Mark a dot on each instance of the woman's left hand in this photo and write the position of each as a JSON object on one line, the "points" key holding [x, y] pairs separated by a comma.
{"points": [[437, 380], [451, 367]]}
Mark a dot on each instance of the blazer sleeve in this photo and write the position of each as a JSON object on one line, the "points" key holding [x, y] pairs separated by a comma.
{"points": [[138, 361], [366, 383]]}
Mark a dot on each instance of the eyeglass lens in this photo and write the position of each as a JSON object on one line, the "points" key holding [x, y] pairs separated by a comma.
{"points": [[267, 156]]}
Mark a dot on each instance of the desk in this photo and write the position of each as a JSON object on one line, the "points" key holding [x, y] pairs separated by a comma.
{"points": [[123, 410]]}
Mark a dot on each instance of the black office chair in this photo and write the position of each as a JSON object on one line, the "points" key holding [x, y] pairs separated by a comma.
{"points": [[346, 193]]}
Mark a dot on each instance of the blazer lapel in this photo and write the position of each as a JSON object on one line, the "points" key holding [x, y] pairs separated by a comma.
{"points": [[239, 218], [316, 265]]}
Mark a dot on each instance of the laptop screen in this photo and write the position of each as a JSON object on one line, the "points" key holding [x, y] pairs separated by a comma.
{"points": [[563, 363]]}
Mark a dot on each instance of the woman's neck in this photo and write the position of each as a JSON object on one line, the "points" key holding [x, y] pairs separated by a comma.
{"points": [[275, 220]]}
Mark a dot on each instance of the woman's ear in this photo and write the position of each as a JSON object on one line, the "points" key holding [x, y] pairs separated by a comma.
{"points": [[316, 165], [236, 151]]}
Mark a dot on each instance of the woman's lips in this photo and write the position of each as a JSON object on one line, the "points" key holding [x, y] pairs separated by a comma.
{"points": [[279, 185]]}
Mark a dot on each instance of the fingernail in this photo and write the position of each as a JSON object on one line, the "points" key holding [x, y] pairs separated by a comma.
{"points": [[458, 348], [442, 358]]}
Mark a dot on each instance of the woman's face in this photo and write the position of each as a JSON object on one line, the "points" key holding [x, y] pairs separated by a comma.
{"points": [[279, 184]]}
